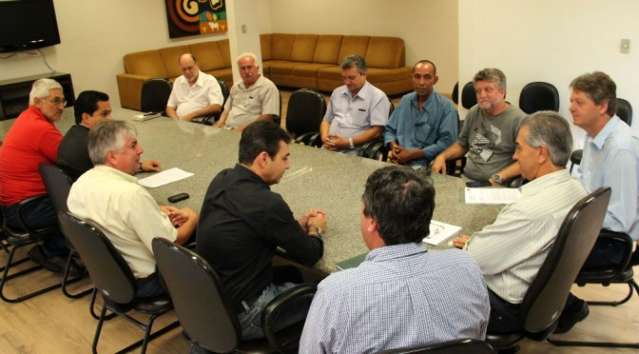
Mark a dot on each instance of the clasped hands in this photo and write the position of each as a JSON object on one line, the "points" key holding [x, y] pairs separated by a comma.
{"points": [[335, 142], [177, 216], [313, 220]]}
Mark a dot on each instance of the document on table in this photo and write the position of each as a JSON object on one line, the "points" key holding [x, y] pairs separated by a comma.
{"points": [[165, 177], [492, 195], [440, 232]]}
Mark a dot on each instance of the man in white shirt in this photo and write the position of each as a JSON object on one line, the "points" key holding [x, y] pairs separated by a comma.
{"points": [[195, 94], [253, 98], [511, 251], [110, 196], [357, 112]]}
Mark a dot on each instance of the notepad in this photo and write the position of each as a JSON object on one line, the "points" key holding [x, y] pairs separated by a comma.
{"points": [[165, 177], [440, 232], [492, 195]]}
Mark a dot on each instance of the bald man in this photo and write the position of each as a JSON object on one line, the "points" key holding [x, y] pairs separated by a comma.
{"points": [[195, 94]]}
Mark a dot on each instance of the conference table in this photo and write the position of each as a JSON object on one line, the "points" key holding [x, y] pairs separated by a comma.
{"points": [[316, 178]]}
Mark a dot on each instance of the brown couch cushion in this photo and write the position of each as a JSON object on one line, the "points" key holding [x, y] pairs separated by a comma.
{"points": [[225, 52], [170, 58], [308, 69], [281, 67], [208, 55], [265, 46], [304, 47], [384, 75], [281, 45], [385, 52], [352, 45], [147, 63], [327, 49]]}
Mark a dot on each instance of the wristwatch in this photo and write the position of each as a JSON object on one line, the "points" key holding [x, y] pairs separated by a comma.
{"points": [[497, 179], [350, 142]]}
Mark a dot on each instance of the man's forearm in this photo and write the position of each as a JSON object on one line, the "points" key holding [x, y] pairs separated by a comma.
{"points": [[204, 112], [454, 151], [510, 172], [170, 111], [367, 135]]}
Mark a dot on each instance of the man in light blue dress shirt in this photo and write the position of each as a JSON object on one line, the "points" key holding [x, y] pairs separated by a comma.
{"points": [[357, 111], [424, 124], [401, 296]]}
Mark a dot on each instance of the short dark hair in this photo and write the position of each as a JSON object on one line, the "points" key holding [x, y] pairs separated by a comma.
{"points": [[355, 60], [261, 136], [87, 102], [401, 202], [599, 87], [425, 61]]}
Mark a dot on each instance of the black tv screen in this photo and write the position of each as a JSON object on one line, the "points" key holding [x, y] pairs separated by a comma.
{"points": [[27, 24]]}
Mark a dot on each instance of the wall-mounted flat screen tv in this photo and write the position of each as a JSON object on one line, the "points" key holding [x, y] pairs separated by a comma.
{"points": [[27, 24]]}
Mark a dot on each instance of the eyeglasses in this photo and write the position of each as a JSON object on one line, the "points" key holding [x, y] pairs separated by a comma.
{"points": [[58, 101]]}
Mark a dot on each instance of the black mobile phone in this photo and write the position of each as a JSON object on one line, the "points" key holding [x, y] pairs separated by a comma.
{"points": [[178, 197], [477, 184]]}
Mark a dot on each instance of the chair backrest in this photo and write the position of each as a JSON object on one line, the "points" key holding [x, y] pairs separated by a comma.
{"points": [[155, 95], [225, 90], [547, 294], [468, 98], [455, 94], [58, 185], [464, 346], [196, 292], [624, 110], [306, 108], [539, 96], [109, 272]]}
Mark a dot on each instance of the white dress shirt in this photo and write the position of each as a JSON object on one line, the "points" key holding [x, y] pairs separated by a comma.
{"points": [[512, 249], [126, 213], [188, 98]]}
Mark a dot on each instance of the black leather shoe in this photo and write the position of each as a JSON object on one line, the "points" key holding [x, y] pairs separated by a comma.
{"points": [[52, 264], [569, 318]]}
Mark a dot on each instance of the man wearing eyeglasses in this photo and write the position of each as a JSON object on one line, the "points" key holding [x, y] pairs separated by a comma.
{"points": [[33, 140]]}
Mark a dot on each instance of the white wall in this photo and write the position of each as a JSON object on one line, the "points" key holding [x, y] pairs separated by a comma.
{"points": [[428, 27], [553, 41], [95, 35]]}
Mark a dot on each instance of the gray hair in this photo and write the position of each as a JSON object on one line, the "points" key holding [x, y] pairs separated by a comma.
{"points": [[107, 136], [493, 75], [245, 55], [549, 129], [41, 88], [355, 60]]}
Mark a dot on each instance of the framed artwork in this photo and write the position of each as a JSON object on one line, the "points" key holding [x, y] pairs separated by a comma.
{"points": [[193, 17]]}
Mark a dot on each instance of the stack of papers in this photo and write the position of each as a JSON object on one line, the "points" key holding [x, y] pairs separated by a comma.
{"points": [[492, 195], [165, 177], [440, 232]]}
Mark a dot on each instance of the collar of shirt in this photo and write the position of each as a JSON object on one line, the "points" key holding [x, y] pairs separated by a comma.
{"points": [[427, 105], [198, 81], [245, 172], [114, 171], [541, 183], [599, 140], [361, 94], [386, 253], [257, 83]]}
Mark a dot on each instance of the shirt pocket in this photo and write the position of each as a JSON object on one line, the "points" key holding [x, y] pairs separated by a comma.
{"points": [[422, 132]]}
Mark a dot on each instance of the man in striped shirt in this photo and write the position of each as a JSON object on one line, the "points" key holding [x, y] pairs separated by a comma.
{"points": [[511, 251], [401, 295]]}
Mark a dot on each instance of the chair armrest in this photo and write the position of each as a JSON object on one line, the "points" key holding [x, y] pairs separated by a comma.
{"points": [[130, 90], [310, 139], [366, 149], [24, 229], [377, 150], [283, 318]]}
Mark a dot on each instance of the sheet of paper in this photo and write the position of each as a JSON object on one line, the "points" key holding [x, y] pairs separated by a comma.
{"points": [[441, 232], [492, 195], [165, 177]]}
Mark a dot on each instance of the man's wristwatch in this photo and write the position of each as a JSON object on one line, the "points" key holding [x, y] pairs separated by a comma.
{"points": [[350, 143], [497, 179]]}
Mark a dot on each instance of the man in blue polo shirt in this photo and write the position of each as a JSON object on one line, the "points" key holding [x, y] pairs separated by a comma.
{"points": [[424, 124]]}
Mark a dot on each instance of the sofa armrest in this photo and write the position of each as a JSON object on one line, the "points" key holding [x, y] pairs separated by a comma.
{"points": [[130, 90]]}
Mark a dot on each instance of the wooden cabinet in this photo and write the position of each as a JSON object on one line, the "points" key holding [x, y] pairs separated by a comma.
{"points": [[14, 93]]}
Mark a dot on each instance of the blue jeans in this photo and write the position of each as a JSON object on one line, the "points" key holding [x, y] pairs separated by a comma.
{"points": [[149, 287], [40, 213], [251, 319]]}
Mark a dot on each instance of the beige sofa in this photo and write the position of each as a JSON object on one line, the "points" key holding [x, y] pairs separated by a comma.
{"points": [[312, 61], [213, 57]]}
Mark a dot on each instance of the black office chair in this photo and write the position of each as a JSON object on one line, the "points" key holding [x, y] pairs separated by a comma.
{"points": [[155, 95], [306, 109], [624, 112], [547, 295], [463, 346], [15, 239], [206, 315], [376, 149], [615, 274], [539, 96], [114, 280], [214, 117], [455, 94], [58, 185], [468, 97]]}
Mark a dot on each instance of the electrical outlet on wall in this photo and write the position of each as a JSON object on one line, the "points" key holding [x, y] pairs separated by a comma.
{"points": [[625, 46]]}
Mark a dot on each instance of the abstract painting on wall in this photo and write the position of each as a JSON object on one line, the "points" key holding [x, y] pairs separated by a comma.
{"points": [[192, 17]]}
